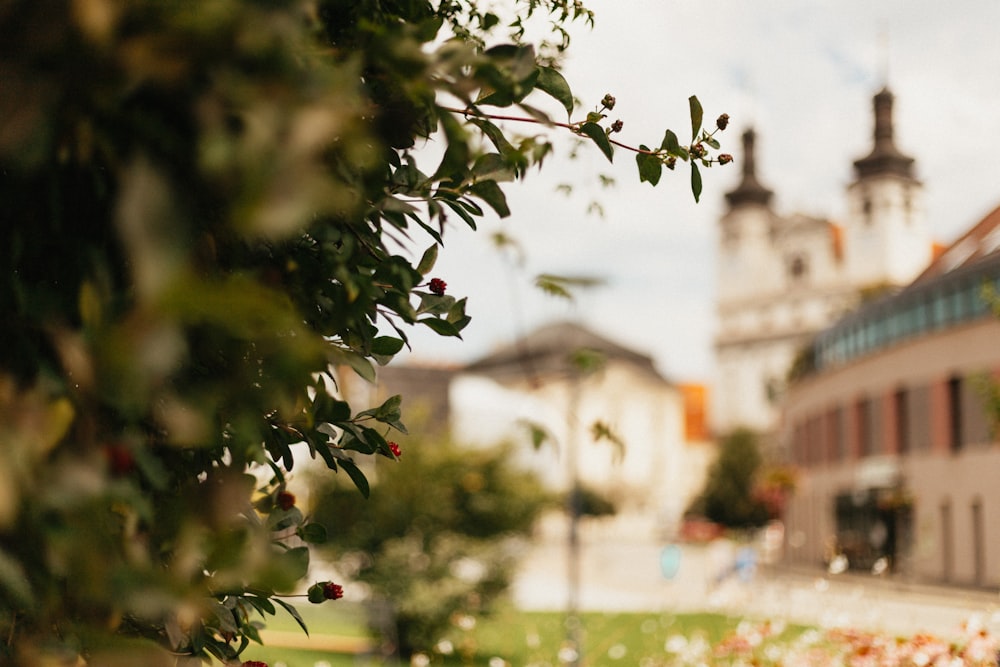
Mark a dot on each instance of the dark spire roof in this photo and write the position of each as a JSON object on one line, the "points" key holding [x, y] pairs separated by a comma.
{"points": [[885, 158], [750, 190]]}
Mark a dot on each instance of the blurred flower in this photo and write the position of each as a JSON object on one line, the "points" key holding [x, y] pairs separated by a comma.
{"points": [[286, 500]]}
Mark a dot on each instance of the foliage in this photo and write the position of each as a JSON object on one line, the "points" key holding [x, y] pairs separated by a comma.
{"points": [[206, 206], [729, 497], [434, 539]]}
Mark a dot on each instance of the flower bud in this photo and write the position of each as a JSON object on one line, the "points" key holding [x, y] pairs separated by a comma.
{"points": [[332, 591], [725, 158], [438, 286], [722, 121], [617, 126], [671, 162], [608, 102]]}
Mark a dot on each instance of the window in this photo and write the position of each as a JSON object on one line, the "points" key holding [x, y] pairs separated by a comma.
{"points": [[955, 414], [863, 424], [798, 268], [835, 436], [901, 408]]}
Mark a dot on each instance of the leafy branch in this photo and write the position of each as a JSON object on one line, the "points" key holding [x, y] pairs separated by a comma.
{"points": [[650, 161]]}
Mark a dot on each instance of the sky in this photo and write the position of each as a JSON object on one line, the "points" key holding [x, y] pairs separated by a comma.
{"points": [[802, 73]]}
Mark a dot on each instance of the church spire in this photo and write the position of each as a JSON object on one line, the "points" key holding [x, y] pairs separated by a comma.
{"points": [[750, 190], [885, 158]]}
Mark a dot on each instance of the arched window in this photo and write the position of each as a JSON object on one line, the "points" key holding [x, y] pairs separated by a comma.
{"points": [[798, 268]]}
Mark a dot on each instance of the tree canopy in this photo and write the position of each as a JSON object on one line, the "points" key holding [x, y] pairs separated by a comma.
{"points": [[730, 496], [205, 208]]}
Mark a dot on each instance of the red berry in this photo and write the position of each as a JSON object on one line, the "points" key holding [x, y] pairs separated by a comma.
{"points": [[438, 286], [120, 459], [253, 663], [394, 448], [286, 500], [332, 591]]}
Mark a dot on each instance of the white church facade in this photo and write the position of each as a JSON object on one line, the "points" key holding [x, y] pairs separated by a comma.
{"points": [[783, 278]]}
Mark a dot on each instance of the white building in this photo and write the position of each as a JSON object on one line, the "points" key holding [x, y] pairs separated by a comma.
{"points": [[563, 379], [782, 278]]}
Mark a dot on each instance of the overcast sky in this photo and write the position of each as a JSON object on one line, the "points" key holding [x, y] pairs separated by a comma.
{"points": [[802, 73]]}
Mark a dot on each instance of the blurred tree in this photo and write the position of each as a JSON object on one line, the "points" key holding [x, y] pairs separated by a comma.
{"points": [[730, 496], [205, 206], [434, 540]]}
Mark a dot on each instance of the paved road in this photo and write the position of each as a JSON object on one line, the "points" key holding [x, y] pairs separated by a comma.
{"points": [[622, 575]]}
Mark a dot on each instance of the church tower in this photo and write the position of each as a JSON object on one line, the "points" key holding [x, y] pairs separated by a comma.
{"points": [[745, 229], [748, 276], [886, 237]]}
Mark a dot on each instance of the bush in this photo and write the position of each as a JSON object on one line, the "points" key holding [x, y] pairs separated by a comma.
{"points": [[436, 539]]}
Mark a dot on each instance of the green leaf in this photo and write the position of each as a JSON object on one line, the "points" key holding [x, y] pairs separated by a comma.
{"points": [[328, 409], [390, 408], [224, 615], [462, 212], [438, 304], [696, 116], [313, 533], [358, 477], [428, 260], [695, 181], [315, 594], [441, 327], [650, 167], [387, 345], [294, 613], [597, 134], [344, 357], [457, 155], [493, 166], [552, 82], [295, 563], [261, 604], [538, 433], [670, 143], [495, 135], [456, 314], [491, 193]]}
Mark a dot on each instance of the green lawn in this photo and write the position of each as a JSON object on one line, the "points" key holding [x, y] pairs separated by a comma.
{"points": [[518, 638]]}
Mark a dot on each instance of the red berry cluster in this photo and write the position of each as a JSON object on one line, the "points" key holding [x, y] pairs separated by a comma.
{"points": [[286, 500], [394, 448], [438, 286], [332, 591], [253, 663], [120, 459]]}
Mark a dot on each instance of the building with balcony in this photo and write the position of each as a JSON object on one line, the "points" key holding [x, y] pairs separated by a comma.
{"points": [[891, 419]]}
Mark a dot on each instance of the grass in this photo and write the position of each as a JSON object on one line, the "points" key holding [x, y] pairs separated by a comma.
{"points": [[515, 637]]}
